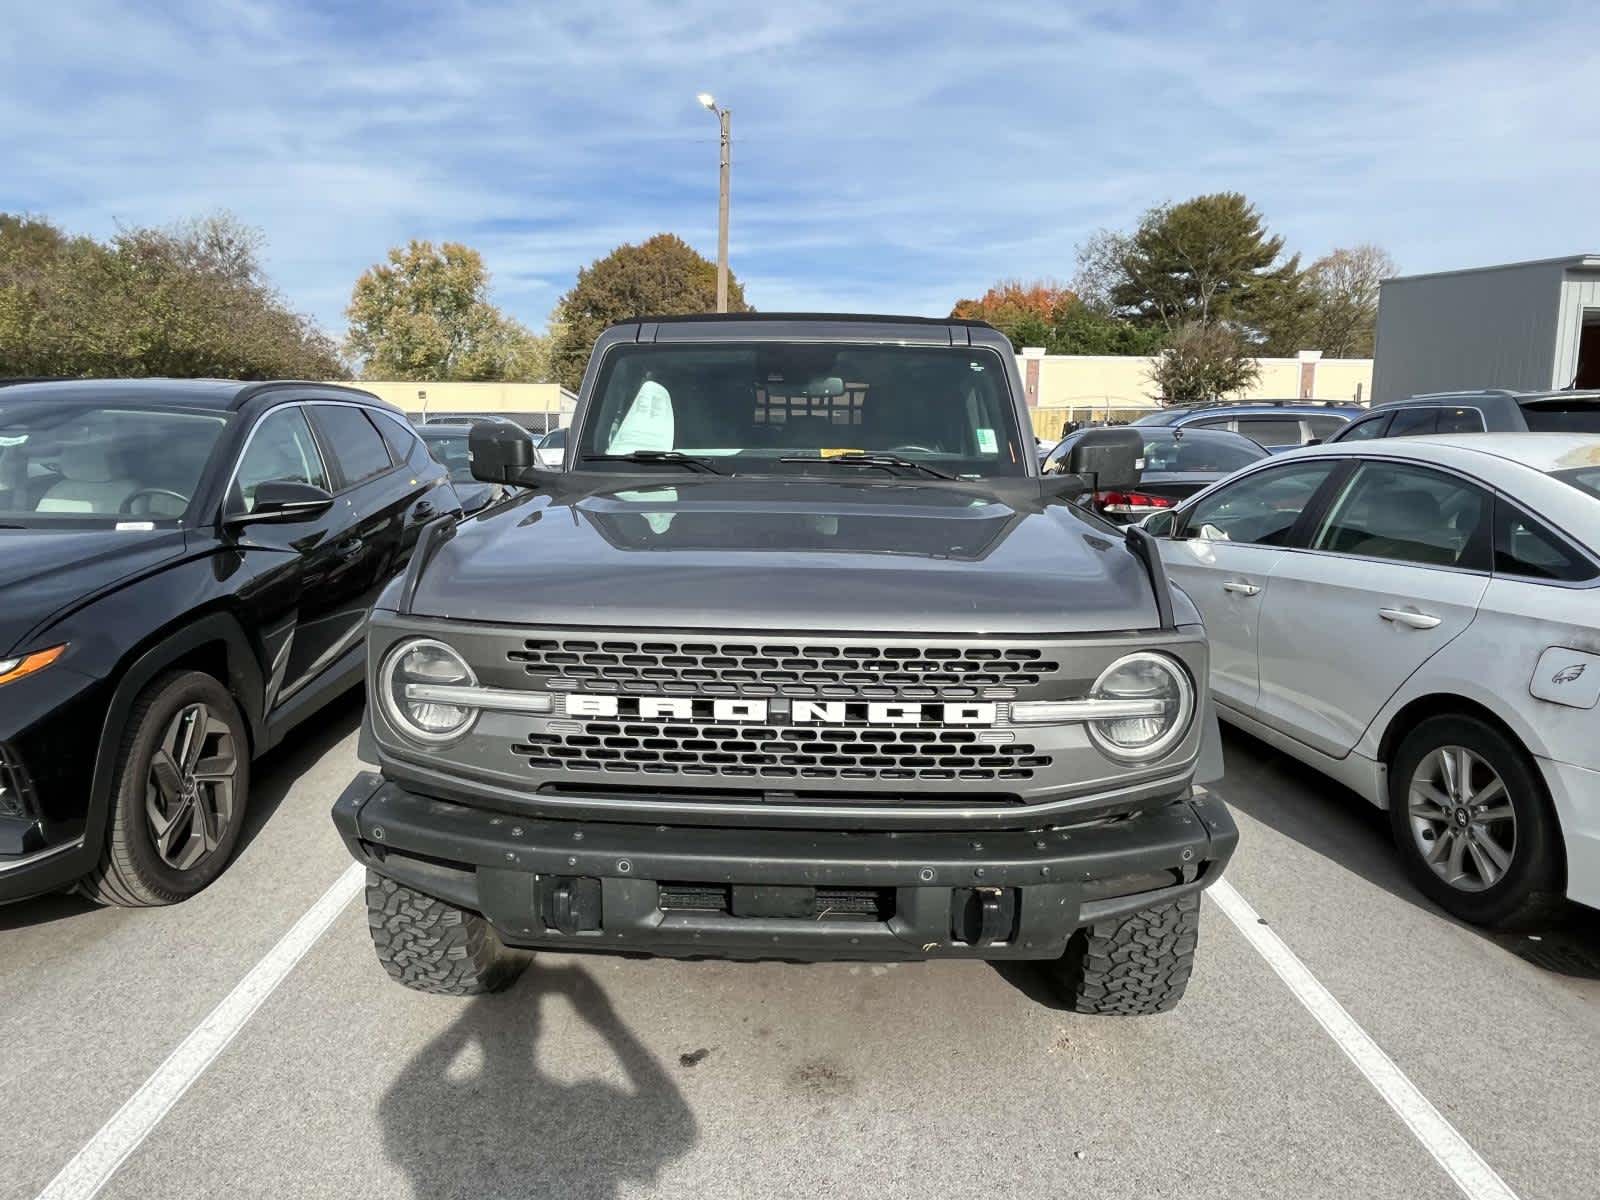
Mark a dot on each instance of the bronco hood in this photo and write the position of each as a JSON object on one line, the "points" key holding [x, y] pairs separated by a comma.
{"points": [[713, 553], [43, 571]]}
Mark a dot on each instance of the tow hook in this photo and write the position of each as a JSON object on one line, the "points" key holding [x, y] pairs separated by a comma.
{"points": [[982, 916]]}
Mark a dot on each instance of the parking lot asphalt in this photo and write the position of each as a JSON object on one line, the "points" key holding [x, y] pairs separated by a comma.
{"points": [[604, 1076]]}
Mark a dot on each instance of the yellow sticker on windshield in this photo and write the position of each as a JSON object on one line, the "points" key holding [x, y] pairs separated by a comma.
{"points": [[837, 451]]}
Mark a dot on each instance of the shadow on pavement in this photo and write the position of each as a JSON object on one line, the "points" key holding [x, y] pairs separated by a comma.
{"points": [[274, 775], [1333, 821], [472, 1114], [271, 779]]}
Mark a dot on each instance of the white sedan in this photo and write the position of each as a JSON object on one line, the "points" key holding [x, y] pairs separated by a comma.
{"points": [[1419, 618]]}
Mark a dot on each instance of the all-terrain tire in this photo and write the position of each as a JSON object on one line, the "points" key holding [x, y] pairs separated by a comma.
{"points": [[131, 873], [1133, 965], [431, 946]]}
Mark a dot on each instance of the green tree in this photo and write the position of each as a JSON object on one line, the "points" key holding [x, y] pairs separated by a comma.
{"points": [[663, 276], [1206, 259], [426, 315], [190, 300], [1203, 362]]}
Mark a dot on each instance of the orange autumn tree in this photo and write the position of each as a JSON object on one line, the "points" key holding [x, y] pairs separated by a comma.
{"points": [[1024, 312]]}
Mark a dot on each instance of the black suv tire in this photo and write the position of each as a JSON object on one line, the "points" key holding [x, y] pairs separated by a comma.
{"points": [[132, 871], [431, 946], [1133, 965]]}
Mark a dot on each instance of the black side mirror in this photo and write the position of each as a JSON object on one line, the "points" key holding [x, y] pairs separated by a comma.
{"points": [[1109, 460], [283, 502], [500, 452]]}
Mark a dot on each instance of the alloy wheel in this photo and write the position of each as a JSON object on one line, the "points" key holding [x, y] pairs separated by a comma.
{"points": [[1461, 818], [189, 792]]}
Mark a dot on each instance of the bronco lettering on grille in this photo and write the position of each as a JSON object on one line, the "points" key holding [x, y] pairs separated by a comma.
{"points": [[802, 712]]}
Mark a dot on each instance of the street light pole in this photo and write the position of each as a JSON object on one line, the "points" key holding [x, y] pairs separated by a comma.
{"points": [[724, 121]]}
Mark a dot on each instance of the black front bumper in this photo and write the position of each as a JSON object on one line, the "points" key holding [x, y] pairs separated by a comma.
{"points": [[783, 893]]}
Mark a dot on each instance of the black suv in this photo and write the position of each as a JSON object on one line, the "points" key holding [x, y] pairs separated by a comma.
{"points": [[1492, 411], [185, 572], [798, 656]]}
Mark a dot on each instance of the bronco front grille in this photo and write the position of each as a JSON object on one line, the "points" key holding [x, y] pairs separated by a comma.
{"points": [[779, 752], [793, 669]]}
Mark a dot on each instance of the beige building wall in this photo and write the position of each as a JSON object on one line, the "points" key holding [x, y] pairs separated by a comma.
{"points": [[420, 400], [1117, 387]]}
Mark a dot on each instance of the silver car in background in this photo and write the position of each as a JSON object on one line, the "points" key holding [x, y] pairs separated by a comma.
{"points": [[1419, 618]]}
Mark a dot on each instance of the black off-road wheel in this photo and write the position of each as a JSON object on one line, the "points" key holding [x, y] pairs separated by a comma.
{"points": [[1473, 823], [1130, 966], [434, 947], [182, 783]]}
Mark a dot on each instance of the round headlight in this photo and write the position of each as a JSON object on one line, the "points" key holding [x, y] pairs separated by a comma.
{"points": [[1164, 686], [411, 669]]}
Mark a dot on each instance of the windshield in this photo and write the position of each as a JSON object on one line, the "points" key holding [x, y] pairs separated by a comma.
{"points": [[1563, 416], [1198, 450], [69, 463], [1585, 479], [554, 440], [750, 406], [451, 451]]}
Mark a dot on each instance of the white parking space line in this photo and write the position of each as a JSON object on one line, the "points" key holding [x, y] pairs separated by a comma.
{"points": [[1476, 1178], [92, 1166]]}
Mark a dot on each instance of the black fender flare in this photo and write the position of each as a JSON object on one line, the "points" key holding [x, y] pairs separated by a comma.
{"points": [[244, 681]]}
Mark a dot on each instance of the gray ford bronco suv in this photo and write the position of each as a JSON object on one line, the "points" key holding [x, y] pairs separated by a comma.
{"points": [[797, 657]]}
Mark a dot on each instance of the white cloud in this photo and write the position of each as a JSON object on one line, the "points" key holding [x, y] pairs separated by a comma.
{"points": [[892, 157]]}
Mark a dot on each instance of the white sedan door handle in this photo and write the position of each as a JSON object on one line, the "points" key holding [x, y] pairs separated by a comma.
{"points": [[1410, 617], [1244, 589]]}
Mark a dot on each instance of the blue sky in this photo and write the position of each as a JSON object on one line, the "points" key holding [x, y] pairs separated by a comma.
{"points": [[887, 157]]}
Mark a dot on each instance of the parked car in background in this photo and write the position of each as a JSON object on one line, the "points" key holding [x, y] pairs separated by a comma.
{"points": [[447, 443], [1420, 620], [185, 572], [1478, 412], [1177, 463], [552, 450], [1278, 425]]}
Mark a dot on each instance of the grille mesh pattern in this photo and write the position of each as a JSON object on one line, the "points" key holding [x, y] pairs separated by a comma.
{"points": [[15, 795], [780, 752], [799, 670]]}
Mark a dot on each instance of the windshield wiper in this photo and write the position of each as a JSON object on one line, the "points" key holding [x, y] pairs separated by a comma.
{"points": [[871, 460], [674, 458]]}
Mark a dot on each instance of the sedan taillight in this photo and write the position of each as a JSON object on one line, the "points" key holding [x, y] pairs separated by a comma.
{"points": [[1130, 504]]}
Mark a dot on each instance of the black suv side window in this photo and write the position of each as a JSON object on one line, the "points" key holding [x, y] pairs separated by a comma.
{"points": [[1413, 422], [1459, 420], [405, 445], [357, 449], [281, 449], [1367, 427], [1260, 510], [1523, 546]]}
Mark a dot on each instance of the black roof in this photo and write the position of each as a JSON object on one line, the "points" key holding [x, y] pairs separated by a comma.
{"points": [[862, 318], [223, 395]]}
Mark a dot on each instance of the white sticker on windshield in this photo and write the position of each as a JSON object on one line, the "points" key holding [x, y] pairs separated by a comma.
{"points": [[986, 442], [648, 424], [13, 440], [136, 526]]}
